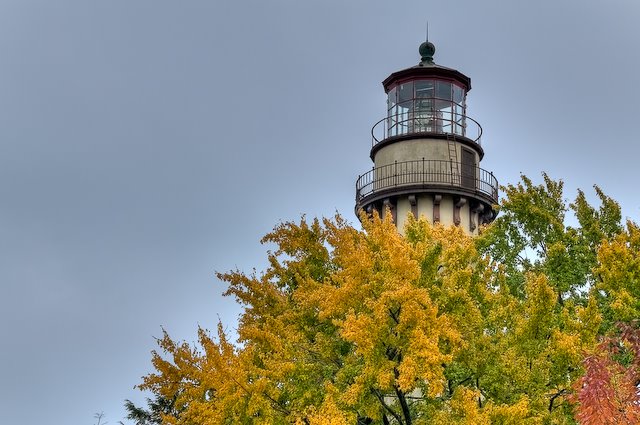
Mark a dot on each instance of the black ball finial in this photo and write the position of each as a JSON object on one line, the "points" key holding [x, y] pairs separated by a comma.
{"points": [[427, 49]]}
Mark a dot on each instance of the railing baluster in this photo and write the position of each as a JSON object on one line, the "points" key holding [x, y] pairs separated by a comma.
{"points": [[395, 172]]}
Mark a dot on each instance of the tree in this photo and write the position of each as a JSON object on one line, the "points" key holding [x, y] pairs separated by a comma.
{"points": [[157, 407], [530, 235], [99, 417], [312, 345], [607, 393], [351, 326]]}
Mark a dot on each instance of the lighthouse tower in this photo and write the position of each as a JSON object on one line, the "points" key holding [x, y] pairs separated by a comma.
{"points": [[427, 150]]}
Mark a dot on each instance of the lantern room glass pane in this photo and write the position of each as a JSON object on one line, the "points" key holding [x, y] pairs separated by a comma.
{"points": [[459, 120], [425, 88], [405, 92], [443, 90], [458, 94], [405, 105], [423, 105], [424, 112], [425, 118], [391, 99], [392, 115], [444, 110]]}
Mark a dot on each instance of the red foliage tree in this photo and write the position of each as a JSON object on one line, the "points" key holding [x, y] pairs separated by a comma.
{"points": [[608, 391]]}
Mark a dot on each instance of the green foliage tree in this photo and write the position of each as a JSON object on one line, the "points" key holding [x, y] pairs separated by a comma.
{"points": [[156, 409], [531, 235], [351, 326]]}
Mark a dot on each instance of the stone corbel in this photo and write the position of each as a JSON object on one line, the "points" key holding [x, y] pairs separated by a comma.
{"points": [[476, 212], [457, 206], [413, 201], [487, 217], [436, 208]]}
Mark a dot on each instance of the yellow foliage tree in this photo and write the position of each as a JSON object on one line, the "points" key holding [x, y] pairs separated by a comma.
{"points": [[350, 326]]}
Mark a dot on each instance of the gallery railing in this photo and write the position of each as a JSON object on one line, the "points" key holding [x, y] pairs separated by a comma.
{"points": [[426, 122], [427, 174]]}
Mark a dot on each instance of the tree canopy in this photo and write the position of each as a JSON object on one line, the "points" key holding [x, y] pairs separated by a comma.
{"points": [[529, 323]]}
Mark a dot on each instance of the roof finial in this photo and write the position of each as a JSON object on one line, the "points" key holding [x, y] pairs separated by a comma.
{"points": [[427, 49]]}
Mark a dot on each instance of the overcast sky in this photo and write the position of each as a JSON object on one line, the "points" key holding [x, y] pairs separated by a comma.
{"points": [[145, 144]]}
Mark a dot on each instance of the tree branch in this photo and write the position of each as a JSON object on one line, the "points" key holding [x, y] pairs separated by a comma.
{"points": [[556, 395], [386, 407], [403, 404]]}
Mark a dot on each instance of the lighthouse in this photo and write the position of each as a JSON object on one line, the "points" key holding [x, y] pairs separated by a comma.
{"points": [[426, 152]]}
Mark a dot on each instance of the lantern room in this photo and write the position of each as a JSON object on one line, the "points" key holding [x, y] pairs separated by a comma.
{"points": [[426, 105]]}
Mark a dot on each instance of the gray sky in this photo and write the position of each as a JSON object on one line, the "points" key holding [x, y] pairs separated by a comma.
{"points": [[145, 144]]}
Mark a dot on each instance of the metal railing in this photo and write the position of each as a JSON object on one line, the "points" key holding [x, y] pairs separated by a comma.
{"points": [[427, 173], [426, 122]]}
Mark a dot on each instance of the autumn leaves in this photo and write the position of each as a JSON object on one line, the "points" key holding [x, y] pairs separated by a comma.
{"points": [[351, 326]]}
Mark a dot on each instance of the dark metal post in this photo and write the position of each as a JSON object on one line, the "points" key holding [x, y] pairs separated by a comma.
{"points": [[395, 172]]}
